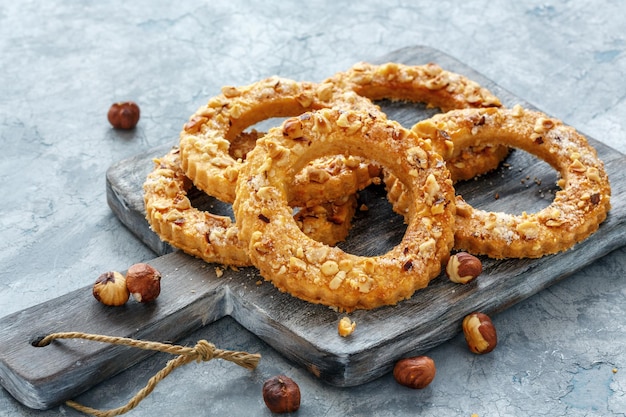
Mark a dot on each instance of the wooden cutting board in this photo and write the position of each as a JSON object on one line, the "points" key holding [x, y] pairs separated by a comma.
{"points": [[193, 296]]}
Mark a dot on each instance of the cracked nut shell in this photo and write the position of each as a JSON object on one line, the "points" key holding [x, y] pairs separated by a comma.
{"points": [[463, 268], [416, 372], [281, 394], [143, 282], [480, 333], [110, 289], [124, 115]]}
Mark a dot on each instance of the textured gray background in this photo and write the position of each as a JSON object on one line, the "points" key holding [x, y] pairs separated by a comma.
{"points": [[64, 63]]}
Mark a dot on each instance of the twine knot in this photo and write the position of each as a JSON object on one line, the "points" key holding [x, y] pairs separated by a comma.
{"points": [[204, 350]]}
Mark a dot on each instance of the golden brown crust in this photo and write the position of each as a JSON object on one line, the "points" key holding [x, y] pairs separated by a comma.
{"points": [[206, 139], [427, 83], [213, 149], [215, 238], [327, 275], [436, 87], [171, 215], [333, 176], [578, 207]]}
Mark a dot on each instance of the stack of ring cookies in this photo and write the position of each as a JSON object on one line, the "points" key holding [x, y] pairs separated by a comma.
{"points": [[335, 142]]}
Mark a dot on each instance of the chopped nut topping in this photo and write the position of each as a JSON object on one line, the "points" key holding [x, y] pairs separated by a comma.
{"points": [[542, 125], [438, 82], [194, 125], [216, 102], [400, 134], [418, 157], [236, 111], [438, 207], [318, 175], [595, 198], [369, 266], [292, 128], [518, 111], [231, 173], [330, 268], [346, 326], [337, 280], [182, 203], [554, 223], [297, 264], [352, 162], [427, 247], [277, 151], [365, 284], [432, 189], [317, 254], [230, 91], [325, 91], [266, 193], [528, 229], [205, 112], [221, 162], [305, 100], [322, 124], [350, 122], [593, 174], [577, 166], [345, 265]]}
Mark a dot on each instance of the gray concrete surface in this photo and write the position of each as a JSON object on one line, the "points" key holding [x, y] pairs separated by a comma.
{"points": [[561, 352]]}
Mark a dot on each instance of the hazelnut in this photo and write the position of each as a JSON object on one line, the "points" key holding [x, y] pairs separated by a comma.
{"points": [[110, 289], [346, 326], [281, 394], [463, 267], [480, 333], [143, 282], [123, 115], [416, 372]]}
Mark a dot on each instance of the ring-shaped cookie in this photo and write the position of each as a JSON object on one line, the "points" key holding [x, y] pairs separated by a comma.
{"points": [[171, 216], [436, 87], [318, 273], [214, 238], [578, 208], [205, 140]]}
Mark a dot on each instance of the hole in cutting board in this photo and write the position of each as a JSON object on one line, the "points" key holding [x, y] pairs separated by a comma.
{"points": [[36, 341]]}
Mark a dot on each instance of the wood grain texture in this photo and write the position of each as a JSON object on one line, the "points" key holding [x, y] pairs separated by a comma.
{"points": [[193, 296]]}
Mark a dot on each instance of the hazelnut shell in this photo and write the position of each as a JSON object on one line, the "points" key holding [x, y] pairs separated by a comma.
{"points": [[480, 333], [416, 372], [124, 115], [463, 267], [110, 289], [143, 282], [281, 394]]}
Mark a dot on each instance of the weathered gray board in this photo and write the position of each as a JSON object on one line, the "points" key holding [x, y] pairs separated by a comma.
{"points": [[192, 295]]}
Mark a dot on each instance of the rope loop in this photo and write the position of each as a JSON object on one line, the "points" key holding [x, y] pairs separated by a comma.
{"points": [[203, 351]]}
